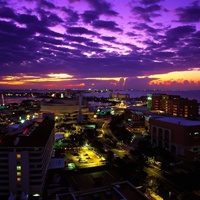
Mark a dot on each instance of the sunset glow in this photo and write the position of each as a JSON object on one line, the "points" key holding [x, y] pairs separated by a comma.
{"points": [[100, 43], [190, 76]]}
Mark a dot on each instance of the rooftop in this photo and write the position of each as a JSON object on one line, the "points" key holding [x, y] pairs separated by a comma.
{"points": [[116, 191], [178, 120], [137, 108], [35, 134]]}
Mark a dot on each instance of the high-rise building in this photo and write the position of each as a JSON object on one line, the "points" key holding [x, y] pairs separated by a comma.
{"points": [[25, 154], [173, 105], [68, 93], [80, 115]]}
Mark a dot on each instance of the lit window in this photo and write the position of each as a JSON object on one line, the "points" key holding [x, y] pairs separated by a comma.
{"points": [[18, 173], [18, 179], [18, 156], [18, 167]]}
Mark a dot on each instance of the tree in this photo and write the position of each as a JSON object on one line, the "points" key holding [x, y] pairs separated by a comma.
{"points": [[110, 157], [187, 196], [152, 183]]}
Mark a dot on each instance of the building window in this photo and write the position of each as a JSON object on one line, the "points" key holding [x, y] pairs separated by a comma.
{"points": [[18, 167], [18, 156], [18, 173], [195, 149]]}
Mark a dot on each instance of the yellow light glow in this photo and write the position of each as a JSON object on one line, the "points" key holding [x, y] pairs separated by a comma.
{"points": [[106, 78], [75, 85], [180, 77], [50, 80], [18, 173], [60, 75], [12, 82], [18, 156]]}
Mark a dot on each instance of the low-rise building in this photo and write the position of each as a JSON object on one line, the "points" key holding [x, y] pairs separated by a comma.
{"points": [[176, 134], [63, 106], [119, 96], [117, 191]]}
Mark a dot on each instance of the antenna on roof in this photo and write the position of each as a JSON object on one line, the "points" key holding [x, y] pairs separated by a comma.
{"points": [[16, 141], [3, 100]]}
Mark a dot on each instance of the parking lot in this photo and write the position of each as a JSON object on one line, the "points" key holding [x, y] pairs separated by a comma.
{"points": [[85, 157]]}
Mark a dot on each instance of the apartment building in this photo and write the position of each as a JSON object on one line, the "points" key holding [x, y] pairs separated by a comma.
{"points": [[173, 105], [25, 154]]}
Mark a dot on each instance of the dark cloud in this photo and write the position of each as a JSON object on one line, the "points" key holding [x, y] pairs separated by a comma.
{"points": [[19, 44], [55, 20], [138, 84], [89, 16], [49, 19], [48, 40], [27, 19], [100, 6], [43, 30], [189, 13], [3, 2], [6, 12], [80, 31], [173, 39], [131, 34], [30, 0], [161, 55], [146, 13], [73, 16], [131, 46], [90, 48], [148, 2], [108, 25], [140, 12], [77, 39], [189, 53], [153, 8], [108, 38], [93, 44], [197, 34], [180, 32], [144, 27], [47, 4]]}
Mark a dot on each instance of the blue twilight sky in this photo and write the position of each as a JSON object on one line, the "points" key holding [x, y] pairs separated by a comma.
{"points": [[139, 44]]}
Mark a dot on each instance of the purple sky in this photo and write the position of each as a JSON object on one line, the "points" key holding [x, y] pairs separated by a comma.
{"points": [[143, 44]]}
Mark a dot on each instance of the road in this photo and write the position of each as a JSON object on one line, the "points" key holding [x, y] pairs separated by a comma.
{"points": [[154, 171], [151, 171], [106, 129], [95, 161]]}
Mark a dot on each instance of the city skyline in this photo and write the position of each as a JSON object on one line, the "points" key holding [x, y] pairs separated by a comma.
{"points": [[144, 44]]}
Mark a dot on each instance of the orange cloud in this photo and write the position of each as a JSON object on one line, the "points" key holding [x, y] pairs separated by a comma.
{"points": [[23, 78], [12, 83], [76, 85], [192, 76]]}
